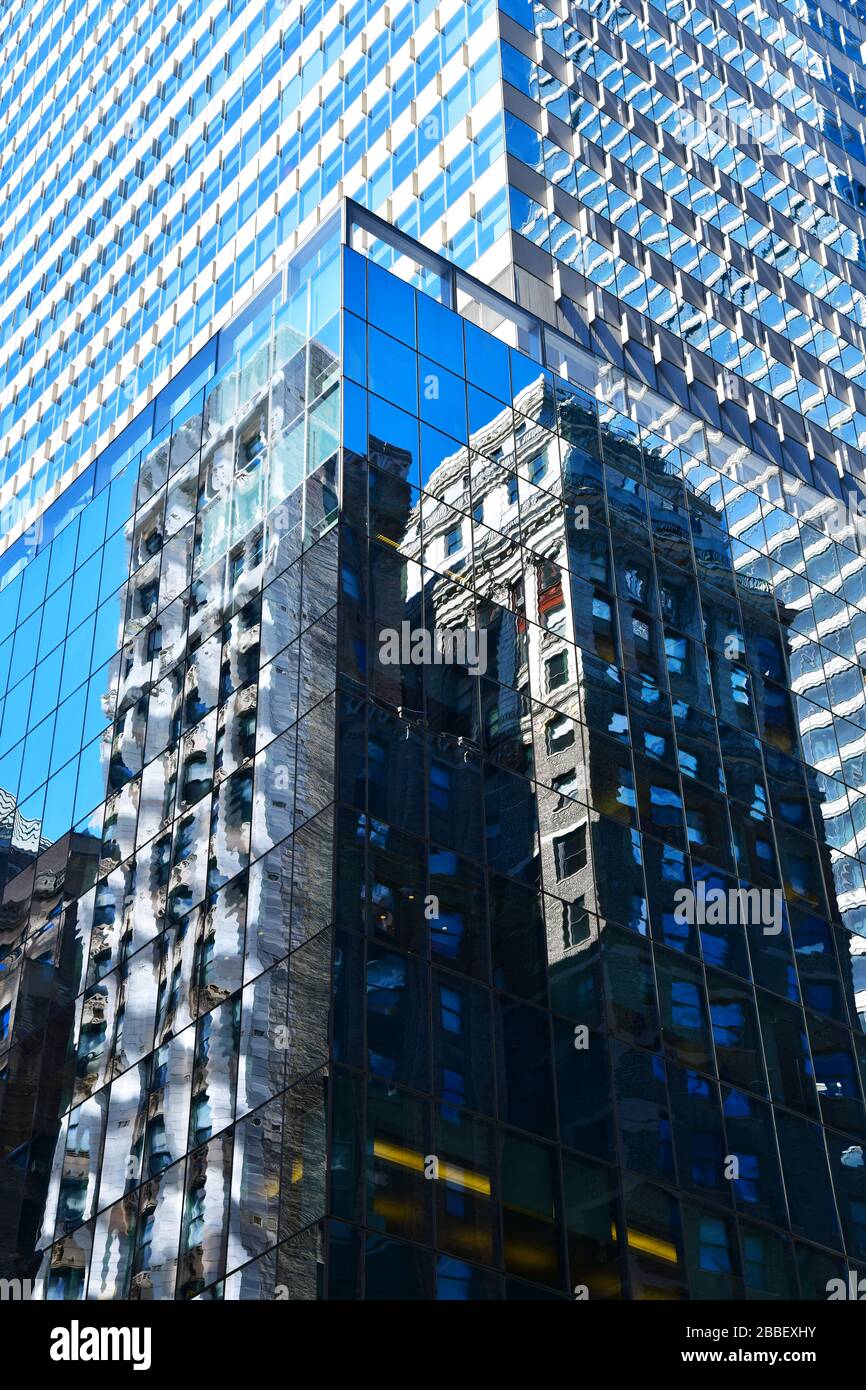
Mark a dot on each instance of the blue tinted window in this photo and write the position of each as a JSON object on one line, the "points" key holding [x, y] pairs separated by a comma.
{"points": [[46, 685], [85, 590], [37, 750], [487, 363], [9, 600], [91, 532], [392, 430], [443, 398], [440, 333], [54, 616], [392, 371], [33, 584], [63, 549], [355, 348], [15, 713], [67, 734], [355, 282], [76, 657], [25, 647], [391, 304]]}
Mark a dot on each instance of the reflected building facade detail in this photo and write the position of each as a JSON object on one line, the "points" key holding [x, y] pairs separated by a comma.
{"points": [[516, 993], [326, 977], [156, 1026]]}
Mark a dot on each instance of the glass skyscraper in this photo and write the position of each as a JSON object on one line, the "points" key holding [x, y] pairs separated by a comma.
{"points": [[432, 634]]}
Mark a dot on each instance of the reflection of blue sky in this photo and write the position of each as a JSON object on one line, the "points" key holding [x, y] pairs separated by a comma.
{"points": [[64, 609]]}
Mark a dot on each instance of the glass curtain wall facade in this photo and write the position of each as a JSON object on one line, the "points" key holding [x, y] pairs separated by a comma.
{"points": [[170, 685], [365, 978], [330, 973], [542, 1073], [158, 163]]}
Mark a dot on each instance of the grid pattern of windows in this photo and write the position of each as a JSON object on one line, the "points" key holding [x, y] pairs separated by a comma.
{"points": [[367, 977], [684, 180], [167, 829], [149, 187], [432, 709], [548, 1079]]}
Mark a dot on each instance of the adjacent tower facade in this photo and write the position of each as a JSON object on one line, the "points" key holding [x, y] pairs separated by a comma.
{"points": [[432, 625]]}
